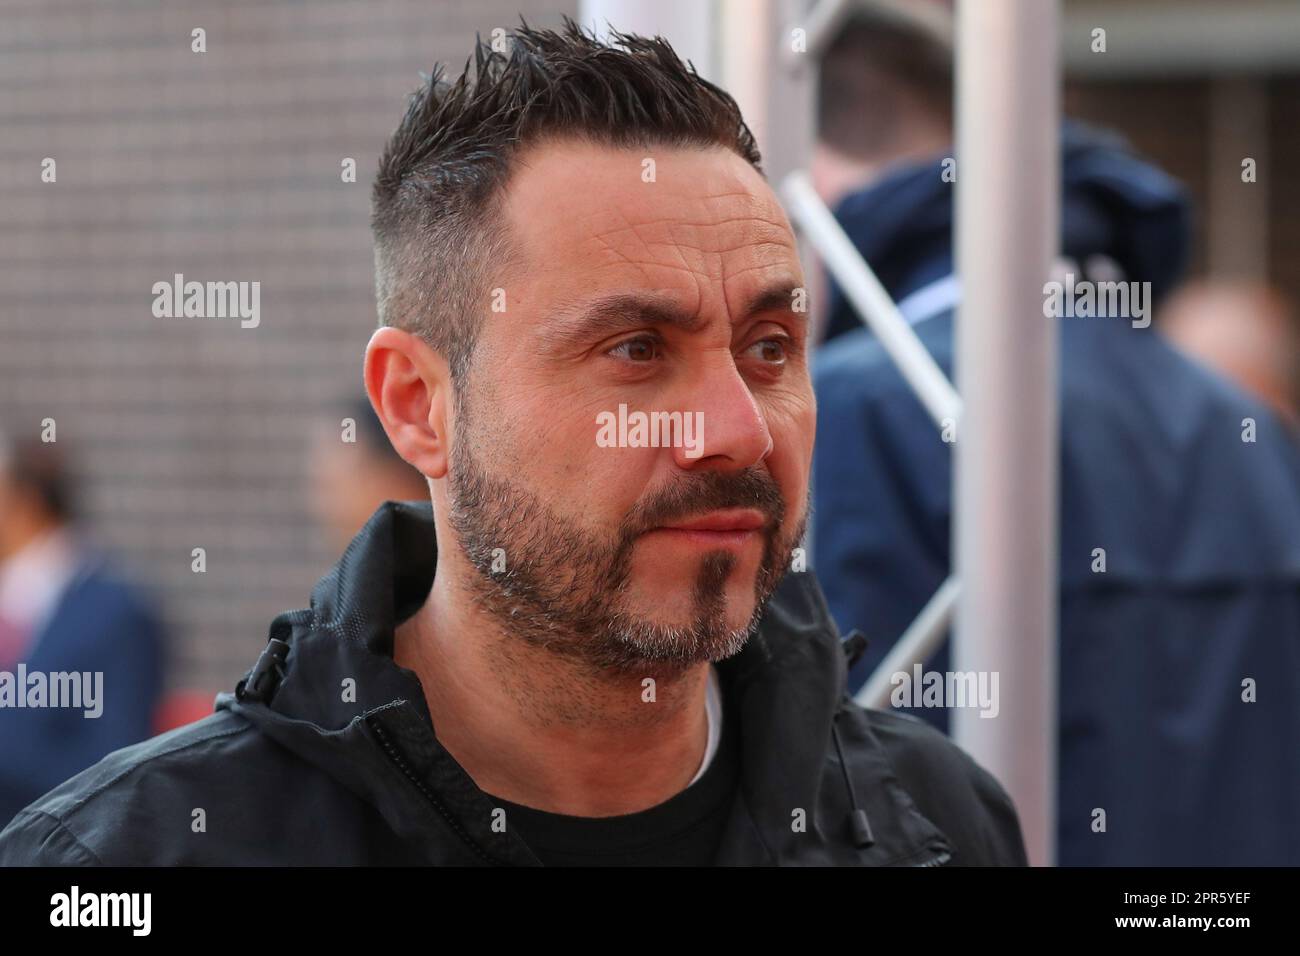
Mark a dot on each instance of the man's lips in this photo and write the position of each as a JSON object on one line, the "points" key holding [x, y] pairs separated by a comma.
{"points": [[732, 519], [717, 529]]}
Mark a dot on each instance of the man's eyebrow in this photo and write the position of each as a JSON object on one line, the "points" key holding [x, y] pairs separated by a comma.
{"points": [[614, 312], [776, 298]]}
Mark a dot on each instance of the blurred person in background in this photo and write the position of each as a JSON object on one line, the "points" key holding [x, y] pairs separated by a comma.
{"points": [[351, 479], [904, 70], [1244, 330], [62, 611], [1201, 529]]}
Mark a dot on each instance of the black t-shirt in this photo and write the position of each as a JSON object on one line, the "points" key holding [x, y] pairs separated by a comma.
{"points": [[684, 830]]}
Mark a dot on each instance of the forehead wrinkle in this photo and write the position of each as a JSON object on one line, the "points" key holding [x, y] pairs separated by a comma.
{"points": [[772, 231], [744, 206], [752, 248], [707, 263], [742, 193], [603, 235], [653, 258]]}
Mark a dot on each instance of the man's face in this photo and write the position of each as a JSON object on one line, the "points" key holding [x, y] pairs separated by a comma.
{"points": [[681, 294]]}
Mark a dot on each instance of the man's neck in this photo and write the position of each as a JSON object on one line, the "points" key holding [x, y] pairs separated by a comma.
{"points": [[545, 731]]}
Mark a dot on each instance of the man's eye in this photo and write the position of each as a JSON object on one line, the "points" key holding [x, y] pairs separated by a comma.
{"points": [[640, 349], [772, 351]]}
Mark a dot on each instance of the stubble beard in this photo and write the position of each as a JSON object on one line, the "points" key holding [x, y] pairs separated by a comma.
{"points": [[564, 588]]}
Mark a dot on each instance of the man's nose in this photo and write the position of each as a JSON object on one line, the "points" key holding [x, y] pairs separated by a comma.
{"points": [[729, 430]]}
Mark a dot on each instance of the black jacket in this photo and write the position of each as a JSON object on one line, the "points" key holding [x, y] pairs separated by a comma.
{"points": [[286, 772]]}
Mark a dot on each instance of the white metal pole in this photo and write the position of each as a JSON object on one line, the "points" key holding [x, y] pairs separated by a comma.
{"points": [[1005, 496], [922, 638], [778, 105], [870, 300]]}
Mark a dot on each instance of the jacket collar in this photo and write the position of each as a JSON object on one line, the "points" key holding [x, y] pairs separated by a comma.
{"points": [[328, 689]]}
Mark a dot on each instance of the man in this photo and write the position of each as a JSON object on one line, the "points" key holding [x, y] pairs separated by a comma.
{"points": [[1180, 519], [64, 617], [570, 234]]}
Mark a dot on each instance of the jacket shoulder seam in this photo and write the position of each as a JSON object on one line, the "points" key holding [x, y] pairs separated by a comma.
{"points": [[136, 765]]}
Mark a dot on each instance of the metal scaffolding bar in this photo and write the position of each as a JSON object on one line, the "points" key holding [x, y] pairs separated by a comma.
{"points": [[870, 300], [1005, 456], [921, 639]]}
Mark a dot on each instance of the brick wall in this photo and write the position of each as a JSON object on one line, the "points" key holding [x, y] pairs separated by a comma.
{"points": [[223, 165]]}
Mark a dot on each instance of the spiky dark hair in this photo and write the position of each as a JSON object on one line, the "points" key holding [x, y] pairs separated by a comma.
{"points": [[438, 238]]}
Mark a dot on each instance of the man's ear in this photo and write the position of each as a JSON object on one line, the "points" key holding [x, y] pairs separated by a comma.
{"points": [[409, 385]]}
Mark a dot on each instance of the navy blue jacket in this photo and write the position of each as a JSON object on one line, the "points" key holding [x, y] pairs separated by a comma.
{"points": [[100, 623], [1201, 530]]}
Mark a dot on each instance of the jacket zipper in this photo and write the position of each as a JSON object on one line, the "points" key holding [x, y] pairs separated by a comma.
{"points": [[396, 757]]}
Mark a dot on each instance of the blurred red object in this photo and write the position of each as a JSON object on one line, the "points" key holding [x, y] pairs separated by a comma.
{"points": [[181, 707]]}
